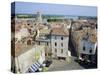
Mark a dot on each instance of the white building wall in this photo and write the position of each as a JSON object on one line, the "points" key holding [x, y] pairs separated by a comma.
{"points": [[59, 47], [88, 45]]}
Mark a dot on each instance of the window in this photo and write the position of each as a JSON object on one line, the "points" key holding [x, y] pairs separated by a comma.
{"points": [[39, 42], [55, 50], [55, 44], [90, 51], [29, 42], [45, 54], [47, 43], [28, 24], [61, 38], [62, 44], [83, 48], [61, 50]]}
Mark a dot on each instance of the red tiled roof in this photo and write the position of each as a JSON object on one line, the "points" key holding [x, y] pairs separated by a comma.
{"points": [[93, 38], [59, 31]]}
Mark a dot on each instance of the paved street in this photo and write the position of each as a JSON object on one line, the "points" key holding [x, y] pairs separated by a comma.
{"points": [[59, 65]]}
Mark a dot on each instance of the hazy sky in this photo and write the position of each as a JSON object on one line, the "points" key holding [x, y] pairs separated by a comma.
{"points": [[58, 9]]}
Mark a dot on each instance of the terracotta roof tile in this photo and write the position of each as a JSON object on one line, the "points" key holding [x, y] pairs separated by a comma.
{"points": [[93, 38], [59, 31]]}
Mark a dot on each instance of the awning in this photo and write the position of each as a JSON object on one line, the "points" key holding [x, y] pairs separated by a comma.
{"points": [[34, 67]]}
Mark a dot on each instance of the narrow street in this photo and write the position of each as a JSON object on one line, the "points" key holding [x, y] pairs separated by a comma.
{"points": [[71, 47]]}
